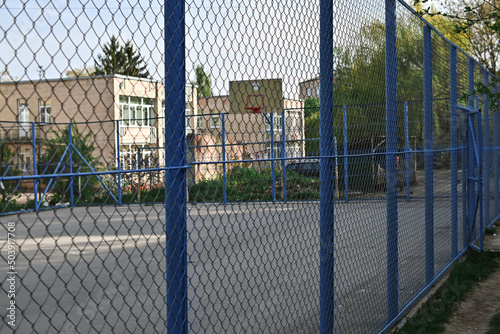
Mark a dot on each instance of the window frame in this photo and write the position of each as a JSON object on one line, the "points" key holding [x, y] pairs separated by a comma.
{"points": [[215, 116], [139, 114], [43, 105]]}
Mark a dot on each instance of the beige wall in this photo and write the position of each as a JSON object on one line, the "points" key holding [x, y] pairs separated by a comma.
{"points": [[309, 88], [85, 100], [248, 130], [263, 93]]}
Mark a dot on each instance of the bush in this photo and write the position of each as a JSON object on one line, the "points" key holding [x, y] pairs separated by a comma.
{"points": [[247, 184], [84, 186]]}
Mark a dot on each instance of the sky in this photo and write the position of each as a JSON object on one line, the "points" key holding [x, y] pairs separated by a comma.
{"points": [[231, 39]]}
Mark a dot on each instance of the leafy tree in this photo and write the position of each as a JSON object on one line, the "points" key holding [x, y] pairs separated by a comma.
{"points": [[476, 21], [311, 126], [311, 106], [311, 132], [203, 81], [7, 168], [120, 59], [479, 22], [54, 154]]}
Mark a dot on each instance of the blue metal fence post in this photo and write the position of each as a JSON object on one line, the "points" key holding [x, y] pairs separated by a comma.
{"points": [[224, 179], [471, 187], [35, 168], [429, 157], [346, 171], [496, 153], [118, 163], [70, 152], [336, 168], [391, 159], [407, 153], [465, 185], [487, 151], [327, 218], [175, 179], [480, 153], [283, 153], [139, 175], [453, 153], [273, 156]]}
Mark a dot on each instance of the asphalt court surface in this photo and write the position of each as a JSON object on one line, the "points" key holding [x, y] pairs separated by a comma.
{"points": [[252, 267]]}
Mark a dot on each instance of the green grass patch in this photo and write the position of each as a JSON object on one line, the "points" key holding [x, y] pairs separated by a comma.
{"points": [[494, 324], [463, 278], [490, 231], [12, 206], [247, 184]]}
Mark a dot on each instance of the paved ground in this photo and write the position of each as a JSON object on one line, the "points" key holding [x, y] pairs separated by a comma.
{"points": [[473, 314], [253, 267]]}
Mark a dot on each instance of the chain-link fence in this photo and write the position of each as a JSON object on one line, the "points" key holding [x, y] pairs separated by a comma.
{"points": [[170, 167]]}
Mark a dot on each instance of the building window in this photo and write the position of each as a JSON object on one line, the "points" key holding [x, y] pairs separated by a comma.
{"points": [[136, 111], [215, 120], [23, 117], [188, 116], [317, 91], [199, 120], [277, 150], [277, 125], [293, 150], [45, 111], [309, 92], [24, 159]]}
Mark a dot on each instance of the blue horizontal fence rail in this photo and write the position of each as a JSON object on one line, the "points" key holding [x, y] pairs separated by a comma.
{"points": [[256, 175]]}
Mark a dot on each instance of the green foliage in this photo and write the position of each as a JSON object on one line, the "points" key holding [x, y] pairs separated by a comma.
{"points": [[311, 106], [477, 22], [360, 81], [489, 230], [247, 184], [360, 85], [203, 81], [311, 132], [7, 158], [6, 155], [12, 206], [54, 152], [494, 324], [489, 90], [300, 187], [120, 59]]}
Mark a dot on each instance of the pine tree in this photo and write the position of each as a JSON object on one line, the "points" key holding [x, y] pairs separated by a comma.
{"points": [[203, 81], [121, 59]]}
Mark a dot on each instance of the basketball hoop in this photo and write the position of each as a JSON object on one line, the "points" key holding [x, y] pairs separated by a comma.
{"points": [[255, 110], [255, 103]]}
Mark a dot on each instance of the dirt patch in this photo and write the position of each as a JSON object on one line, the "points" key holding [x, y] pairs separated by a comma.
{"points": [[473, 314]]}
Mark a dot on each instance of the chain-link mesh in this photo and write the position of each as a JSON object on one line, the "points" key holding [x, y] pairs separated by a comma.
{"points": [[170, 167]]}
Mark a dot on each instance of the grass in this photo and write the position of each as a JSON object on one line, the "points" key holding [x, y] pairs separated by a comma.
{"points": [[489, 231], [247, 184], [463, 278], [12, 205], [494, 324]]}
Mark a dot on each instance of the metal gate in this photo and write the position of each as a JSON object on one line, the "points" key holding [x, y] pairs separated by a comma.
{"points": [[474, 171]]}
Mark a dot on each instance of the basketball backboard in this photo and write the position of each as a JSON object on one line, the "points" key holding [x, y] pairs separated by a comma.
{"points": [[256, 96]]}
